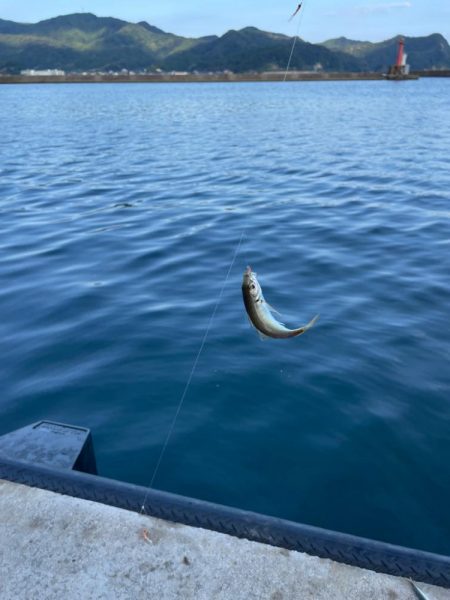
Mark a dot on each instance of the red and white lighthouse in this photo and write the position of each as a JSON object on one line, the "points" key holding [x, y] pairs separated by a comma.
{"points": [[401, 52], [400, 70]]}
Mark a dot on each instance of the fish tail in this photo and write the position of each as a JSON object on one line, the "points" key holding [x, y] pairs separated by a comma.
{"points": [[302, 330], [312, 322]]}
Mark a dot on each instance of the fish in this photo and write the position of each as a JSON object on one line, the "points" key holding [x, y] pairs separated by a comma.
{"points": [[260, 312], [418, 592]]}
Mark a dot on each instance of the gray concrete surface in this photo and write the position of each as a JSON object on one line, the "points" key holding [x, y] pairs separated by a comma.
{"points": [[57, 547]]}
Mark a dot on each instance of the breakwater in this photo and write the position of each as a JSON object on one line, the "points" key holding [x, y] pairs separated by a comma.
{"points": [[188, 77], [206, 77]]}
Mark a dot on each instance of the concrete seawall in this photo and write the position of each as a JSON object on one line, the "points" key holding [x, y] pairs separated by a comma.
{"points": [[54, 546], [191, 78], [207, 77]]}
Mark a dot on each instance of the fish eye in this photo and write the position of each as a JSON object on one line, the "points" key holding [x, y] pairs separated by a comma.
{"points": [[253, 286]]}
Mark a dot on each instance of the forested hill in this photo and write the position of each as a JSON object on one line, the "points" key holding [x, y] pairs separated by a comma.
{"points": [[430, 52], [84, 42]]}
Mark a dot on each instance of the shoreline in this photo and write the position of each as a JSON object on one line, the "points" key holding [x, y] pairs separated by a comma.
{"points": [[206, 77]]}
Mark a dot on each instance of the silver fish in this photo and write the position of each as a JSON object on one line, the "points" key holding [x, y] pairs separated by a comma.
{"points": [[418, 592], [260, 312]]}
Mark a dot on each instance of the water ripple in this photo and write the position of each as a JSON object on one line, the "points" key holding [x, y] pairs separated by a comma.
{"points": [[121, 210]]}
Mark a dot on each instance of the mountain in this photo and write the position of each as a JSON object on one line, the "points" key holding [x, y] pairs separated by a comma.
{"points": [[253, 50], [81, 42], [431, 52], [343, 44], [84, 42]]}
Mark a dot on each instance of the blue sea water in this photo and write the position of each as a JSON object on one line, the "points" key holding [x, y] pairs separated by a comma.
{"points": [[121, 208]]}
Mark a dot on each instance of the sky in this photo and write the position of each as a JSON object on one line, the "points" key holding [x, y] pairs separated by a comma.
{"points": [[372, 20]]}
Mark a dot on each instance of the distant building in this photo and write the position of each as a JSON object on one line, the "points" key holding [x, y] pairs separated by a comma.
{"points": [[43, 73]]}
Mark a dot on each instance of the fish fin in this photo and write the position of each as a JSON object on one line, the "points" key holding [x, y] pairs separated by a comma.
{"points": [[272, 309], [261, 335]]}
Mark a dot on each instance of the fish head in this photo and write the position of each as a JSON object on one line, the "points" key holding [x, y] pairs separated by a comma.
{"points": [[250, 283]]}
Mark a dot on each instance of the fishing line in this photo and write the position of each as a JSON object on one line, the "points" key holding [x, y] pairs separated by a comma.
{"points": [[211, 319], [302, 12], [191, 374]]}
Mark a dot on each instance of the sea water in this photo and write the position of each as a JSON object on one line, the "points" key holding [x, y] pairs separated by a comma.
{"points": [[121, 209]]}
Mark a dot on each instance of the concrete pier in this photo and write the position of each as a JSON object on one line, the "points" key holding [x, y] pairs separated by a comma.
{"points": [[54, 546], [191, 77]]}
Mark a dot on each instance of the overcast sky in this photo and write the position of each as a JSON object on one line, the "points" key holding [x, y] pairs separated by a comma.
{"points": [[372, 20]]}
